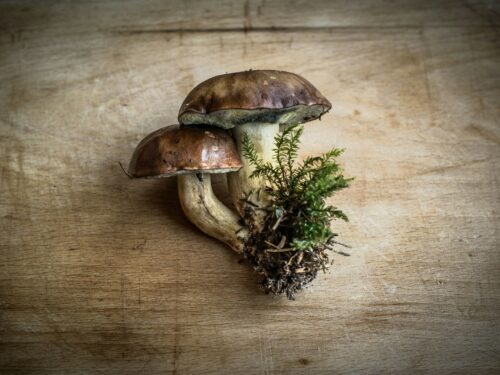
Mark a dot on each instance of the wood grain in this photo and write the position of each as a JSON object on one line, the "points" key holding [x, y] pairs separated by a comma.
{"points": [[100, 274]]}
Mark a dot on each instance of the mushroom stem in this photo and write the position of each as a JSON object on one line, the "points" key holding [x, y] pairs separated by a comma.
{"points": [[246, 191], [208, 213]]}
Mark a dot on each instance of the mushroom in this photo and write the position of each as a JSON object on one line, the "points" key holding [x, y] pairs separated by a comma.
{"points": [[193, 154], [255, 103]]}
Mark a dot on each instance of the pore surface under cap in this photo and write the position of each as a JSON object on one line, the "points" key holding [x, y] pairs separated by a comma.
{"points": [[260, 96]]}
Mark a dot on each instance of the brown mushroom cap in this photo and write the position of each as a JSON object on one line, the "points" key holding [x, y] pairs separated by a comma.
{"points": [[175, 149], [269, 96]]}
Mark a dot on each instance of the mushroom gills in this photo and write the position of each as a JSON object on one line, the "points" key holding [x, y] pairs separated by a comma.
{"points": [[228, 119]]}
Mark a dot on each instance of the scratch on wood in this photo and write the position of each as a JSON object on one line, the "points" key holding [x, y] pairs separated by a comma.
{"points": [[140, 246], [177, 351], [261, 354], [284, 29], [139, 292], [451, 167], [490, 16], [266, 355], [346, 333], [428, 92], [484, 133], [248, 18]]}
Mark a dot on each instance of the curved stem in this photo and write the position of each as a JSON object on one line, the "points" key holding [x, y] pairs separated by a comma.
{"points": [[209, 214], [245, 191]]}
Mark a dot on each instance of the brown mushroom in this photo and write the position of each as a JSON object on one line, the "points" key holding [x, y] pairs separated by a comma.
{"points": [[193, 154], [255, 103]]}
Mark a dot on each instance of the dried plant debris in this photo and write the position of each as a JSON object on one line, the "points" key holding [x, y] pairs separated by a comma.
{"points": [[294, 244]]}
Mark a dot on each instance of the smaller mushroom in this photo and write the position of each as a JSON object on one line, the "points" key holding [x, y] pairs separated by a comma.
{"points": [[193, 154]]}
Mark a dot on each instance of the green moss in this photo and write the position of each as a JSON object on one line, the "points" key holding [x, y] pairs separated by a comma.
{"points": [[291, 248]]}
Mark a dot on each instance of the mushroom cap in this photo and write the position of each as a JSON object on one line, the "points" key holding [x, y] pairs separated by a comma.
{"points": [[255, 96], [175, 150]]}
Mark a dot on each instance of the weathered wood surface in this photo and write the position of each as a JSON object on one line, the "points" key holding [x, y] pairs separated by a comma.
{"points": [[100, 274]]}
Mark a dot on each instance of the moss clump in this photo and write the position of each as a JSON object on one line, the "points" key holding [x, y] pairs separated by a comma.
{"points": [[293, 245]]}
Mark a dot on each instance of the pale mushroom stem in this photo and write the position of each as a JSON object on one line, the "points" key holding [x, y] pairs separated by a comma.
{"points": [[246, 191], [208, 213]]}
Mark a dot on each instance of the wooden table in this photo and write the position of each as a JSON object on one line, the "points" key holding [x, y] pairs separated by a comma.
{"points": [[101, 274]]}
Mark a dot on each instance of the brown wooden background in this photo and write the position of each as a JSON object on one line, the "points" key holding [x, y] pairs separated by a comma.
{"points": [[100, 274]]}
